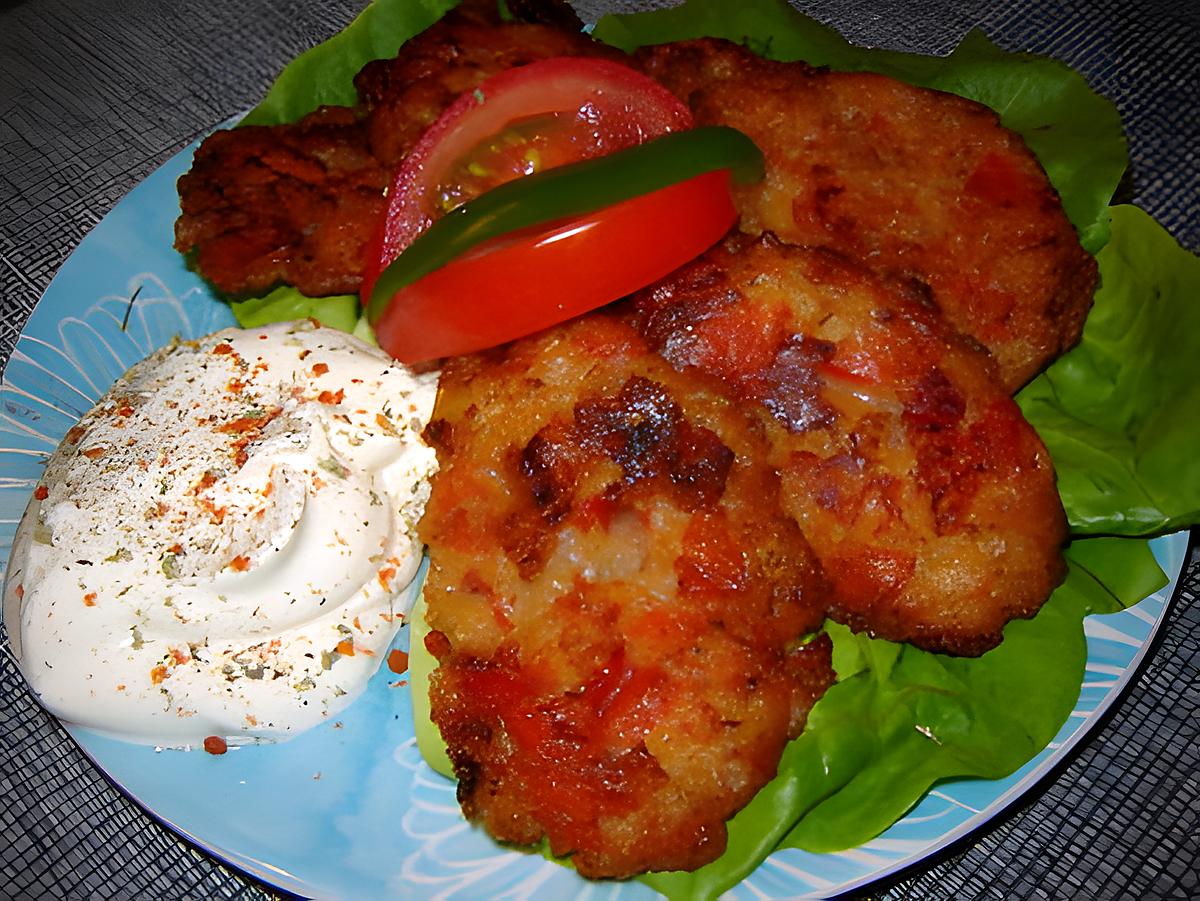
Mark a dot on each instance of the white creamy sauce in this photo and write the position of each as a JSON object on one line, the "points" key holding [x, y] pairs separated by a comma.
{"points": [[225, 544]]}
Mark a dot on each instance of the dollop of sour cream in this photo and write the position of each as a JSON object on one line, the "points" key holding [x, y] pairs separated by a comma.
{"points": [[225, 544]]}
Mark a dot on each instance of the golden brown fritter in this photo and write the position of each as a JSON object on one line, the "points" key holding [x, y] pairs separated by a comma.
{"points": [[928, 499], [912, 182], [285, 204], [298, 204], [617, 602]]}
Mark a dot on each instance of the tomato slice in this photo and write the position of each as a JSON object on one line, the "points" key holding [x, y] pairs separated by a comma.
{"points": [[523, 120], [526, 281]]}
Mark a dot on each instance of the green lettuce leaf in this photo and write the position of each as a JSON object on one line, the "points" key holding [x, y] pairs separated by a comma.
{"points": [[421, 665], [325, 74], [286, 303], [1126, 568], [1075, 133], [1119, 412]]}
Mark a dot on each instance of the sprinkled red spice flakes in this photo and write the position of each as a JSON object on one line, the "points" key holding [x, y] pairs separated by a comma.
{"points": [[93, 453], [240, 563], [206, 481], [320, 369], [41, 492], [89, 599], [75, 433], [223, 348], [20, 590], [214, 744], [242, 424], [249, 424], [332, 397], [158, 674], [385, 577], [397, 661], [125, 410], [347, 648], [215, 513]]}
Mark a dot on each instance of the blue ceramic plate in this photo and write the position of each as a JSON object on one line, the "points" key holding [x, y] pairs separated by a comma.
{"points": [[350, 809]]}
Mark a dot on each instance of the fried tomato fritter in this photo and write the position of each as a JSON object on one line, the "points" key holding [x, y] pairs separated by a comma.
{"points": [[617, 604], [298, 204], [283, 204], [910, 181], [928, 499]]}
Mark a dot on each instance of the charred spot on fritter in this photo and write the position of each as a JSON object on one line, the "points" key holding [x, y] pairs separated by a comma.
{"points": [[623, 605], [933, 403], [791, 385], [550, 463], [644, 432], [439, 435], [636, 428], [928, 499]]}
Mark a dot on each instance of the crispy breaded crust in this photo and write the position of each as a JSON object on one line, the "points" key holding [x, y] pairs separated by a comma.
{"points": [[928, 499], [912, 182], [618, 601]]}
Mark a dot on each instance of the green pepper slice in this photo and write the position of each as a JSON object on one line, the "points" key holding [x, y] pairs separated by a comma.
{"points": [[565, 191]]}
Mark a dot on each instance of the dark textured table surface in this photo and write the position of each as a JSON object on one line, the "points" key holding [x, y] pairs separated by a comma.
{"points": [[95, 95]]}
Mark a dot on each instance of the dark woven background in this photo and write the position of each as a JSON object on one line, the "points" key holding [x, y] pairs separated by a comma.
{"points": [[95, 95]]}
